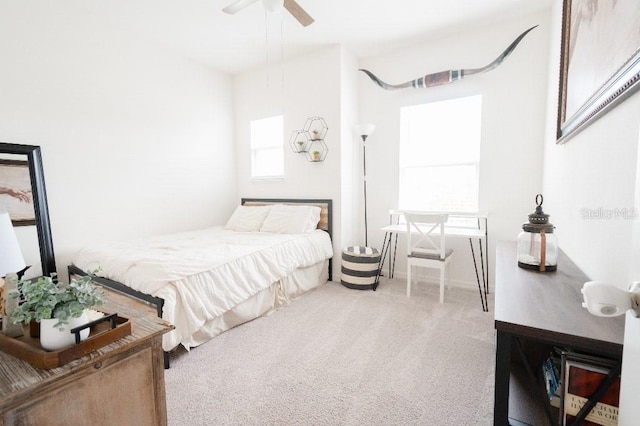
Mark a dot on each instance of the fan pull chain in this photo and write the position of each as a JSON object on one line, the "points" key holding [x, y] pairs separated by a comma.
{"points": [[281, 53], [266, 42], [269, 56], [281, 65]]}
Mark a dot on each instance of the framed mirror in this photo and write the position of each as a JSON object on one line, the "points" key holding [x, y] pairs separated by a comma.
{"points": [[24, 196]]}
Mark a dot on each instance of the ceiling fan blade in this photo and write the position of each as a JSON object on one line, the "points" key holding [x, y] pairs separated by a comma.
{"points": [[298, 12], [237, 6]]}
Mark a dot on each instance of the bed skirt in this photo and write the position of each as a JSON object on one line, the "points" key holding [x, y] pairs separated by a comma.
{"points": [[279, 294]]}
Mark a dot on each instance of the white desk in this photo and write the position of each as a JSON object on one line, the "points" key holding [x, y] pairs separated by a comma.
{"points": [[478, 233]]}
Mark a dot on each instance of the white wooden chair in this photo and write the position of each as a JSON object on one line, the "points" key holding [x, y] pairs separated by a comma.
{"points": [[426, 245]]}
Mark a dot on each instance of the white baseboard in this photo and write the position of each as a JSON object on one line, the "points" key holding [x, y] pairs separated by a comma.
{"points": [[465, 284]]}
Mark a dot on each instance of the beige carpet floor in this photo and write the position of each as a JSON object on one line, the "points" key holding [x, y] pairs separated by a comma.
{"points": [[337, 356]]}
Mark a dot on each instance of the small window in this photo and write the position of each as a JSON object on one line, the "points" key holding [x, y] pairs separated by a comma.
{"points": [[267, 148], [440, 155]]}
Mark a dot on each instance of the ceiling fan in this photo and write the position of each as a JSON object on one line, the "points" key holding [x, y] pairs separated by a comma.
{"points": [[272, 6]]}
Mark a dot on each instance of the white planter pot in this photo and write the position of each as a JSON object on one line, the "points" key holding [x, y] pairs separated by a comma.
{"points": [[52, 339]]}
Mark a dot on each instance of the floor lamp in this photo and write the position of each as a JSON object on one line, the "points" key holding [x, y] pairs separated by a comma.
{"points": [[364, 130]]}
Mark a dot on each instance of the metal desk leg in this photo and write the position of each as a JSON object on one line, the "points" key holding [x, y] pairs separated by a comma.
{"points": [[483, 297], [383, 255], [486, 247], [485, 278], [503, 375], [395, 250], [392, 253]]}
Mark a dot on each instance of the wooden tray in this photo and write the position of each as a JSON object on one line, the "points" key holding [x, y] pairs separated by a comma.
{"points": [[28, 348]]}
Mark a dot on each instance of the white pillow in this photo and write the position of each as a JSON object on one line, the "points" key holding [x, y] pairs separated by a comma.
{"points": [[283, 219], [247, 218]]}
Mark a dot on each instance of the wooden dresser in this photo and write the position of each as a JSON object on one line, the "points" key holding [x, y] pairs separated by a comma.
{"points": [[119, 384]]}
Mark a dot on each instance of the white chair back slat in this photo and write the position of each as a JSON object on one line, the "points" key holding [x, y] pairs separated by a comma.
{"points": [[425, 234]]}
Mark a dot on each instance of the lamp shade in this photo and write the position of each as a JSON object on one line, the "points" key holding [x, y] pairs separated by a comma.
{"points": [[364, 129], [11, 260]]}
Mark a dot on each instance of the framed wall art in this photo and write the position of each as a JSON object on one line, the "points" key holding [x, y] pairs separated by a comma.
{"points": [[15, 192], [600, 60]]}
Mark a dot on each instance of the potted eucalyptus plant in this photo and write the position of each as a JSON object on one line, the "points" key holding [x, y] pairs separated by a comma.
{"points": [[57, 307]]}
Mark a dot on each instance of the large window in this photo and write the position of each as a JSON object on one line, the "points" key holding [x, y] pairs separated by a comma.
{"points": [[267, 148], [440, 155]]}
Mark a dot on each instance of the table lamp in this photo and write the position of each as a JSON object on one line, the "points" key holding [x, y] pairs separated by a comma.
{"points": [[11, 262]]}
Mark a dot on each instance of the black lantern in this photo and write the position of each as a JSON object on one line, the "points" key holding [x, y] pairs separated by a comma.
{"points": [[537, 244]]}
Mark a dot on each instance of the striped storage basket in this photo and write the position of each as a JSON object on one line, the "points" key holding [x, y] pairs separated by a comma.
{"points": [[360, 266]]}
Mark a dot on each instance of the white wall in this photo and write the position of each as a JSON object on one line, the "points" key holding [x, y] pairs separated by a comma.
{"points": [[630, 385], [593, 170], [513, 114], [350, 180], [307, 86], [135, 141], [598, 169]]}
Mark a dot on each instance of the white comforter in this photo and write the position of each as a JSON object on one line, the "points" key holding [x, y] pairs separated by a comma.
{"points": [[202, 274]]}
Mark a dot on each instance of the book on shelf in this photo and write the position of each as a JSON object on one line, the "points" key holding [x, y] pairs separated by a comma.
{"points": [[551, 381], [586, 378]]}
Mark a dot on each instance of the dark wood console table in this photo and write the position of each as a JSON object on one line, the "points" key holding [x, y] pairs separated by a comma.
{"points": [[542, 309]]}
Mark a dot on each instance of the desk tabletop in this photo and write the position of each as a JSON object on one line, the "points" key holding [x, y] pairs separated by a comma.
{"points": [[449, 231], [548, 306], [479, 215]]}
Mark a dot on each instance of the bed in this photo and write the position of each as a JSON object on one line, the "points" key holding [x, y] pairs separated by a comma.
{"points": [[207, 281]]}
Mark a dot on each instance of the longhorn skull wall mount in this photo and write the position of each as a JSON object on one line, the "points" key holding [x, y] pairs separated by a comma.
{"points": [[449, 76]]}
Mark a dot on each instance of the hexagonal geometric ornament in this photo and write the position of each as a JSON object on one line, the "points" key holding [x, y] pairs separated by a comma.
{"points": [[300, 141], [317, 150], [316, 127]]}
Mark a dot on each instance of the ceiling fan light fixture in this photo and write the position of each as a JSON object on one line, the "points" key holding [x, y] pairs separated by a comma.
{"points": [[273, 5], [292, 7]]}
